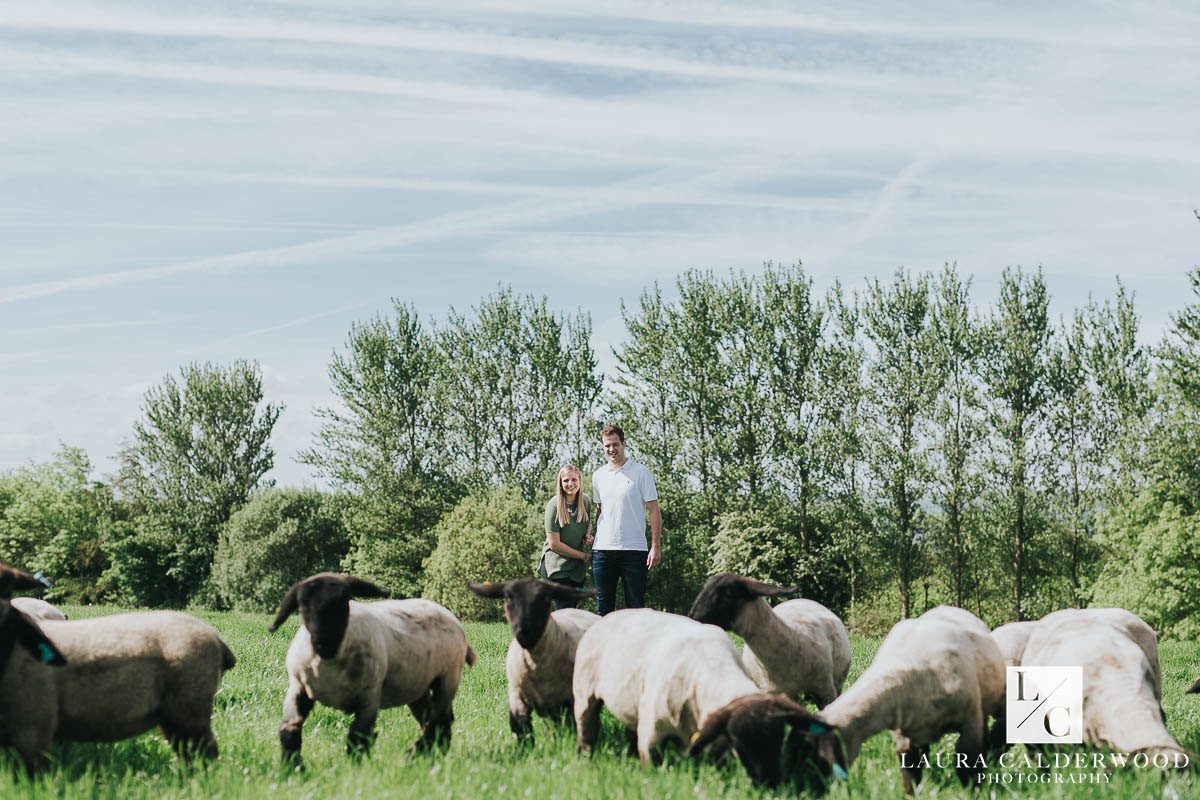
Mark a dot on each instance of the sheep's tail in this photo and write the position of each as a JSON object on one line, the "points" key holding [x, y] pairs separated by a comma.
{"points": [[471, 658], [228, 659]]}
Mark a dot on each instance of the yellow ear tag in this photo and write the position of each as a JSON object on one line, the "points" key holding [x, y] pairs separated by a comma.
{"points": [[695, 736]]}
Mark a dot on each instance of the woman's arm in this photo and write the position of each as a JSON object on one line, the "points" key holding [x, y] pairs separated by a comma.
{"points": [[556, 544]]}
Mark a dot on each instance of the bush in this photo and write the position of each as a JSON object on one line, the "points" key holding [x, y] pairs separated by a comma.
{"points": [[758, 544], [390, 540], [493, 537], [279, 537]]}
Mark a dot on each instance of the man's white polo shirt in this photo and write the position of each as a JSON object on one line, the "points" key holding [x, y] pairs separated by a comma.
{"points": [[622, 493]]}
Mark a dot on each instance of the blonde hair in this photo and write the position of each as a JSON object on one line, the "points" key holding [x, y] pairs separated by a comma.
{"points": [[581, 499]]}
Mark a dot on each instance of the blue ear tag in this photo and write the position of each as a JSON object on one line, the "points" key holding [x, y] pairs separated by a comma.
{"points": [[47, 652], [816, 728], [839, 772]]}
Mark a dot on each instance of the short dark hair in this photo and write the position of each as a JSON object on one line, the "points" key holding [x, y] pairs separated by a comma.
{"points": [[609, 430]]}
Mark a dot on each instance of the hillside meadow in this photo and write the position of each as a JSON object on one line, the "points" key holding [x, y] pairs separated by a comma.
{"points": [[484, 759]]}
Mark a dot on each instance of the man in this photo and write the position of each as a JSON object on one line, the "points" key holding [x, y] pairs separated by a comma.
{"points": [[623, 492]]}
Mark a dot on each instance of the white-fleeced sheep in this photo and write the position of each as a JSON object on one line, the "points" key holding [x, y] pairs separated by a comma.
{"points": [[936, 674], [800, 647], [1012, 637], [360, 657], [670, 678], [541, 656], [1011, 640], [124, 674], [38, 609], [1121, 709]]}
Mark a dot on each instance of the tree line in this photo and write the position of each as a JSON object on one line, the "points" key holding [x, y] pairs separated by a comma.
{"points": [[886, 448]]}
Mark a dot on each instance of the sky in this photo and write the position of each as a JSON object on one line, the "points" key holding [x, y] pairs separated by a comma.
{"points": [[214, 181]]}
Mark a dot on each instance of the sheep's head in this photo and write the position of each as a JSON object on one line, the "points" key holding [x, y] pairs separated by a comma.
{"points": [[14, 580], [1195, 687], [724, 596], [527, 604], [18, 629], [773, 736], [324, 604]]}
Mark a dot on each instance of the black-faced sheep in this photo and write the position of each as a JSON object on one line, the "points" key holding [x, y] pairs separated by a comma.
{"points": [[800, 647], [936, 674], [670, 678], [541, 657], [359, 658], [123, 675]]}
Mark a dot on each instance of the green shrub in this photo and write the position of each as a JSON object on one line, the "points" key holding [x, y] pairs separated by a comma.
{"points": [[277, 538], [493, 537], [390, 540], [757, 544]]}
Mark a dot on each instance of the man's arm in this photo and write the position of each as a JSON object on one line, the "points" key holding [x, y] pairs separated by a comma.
{"points": [[654, 557]]}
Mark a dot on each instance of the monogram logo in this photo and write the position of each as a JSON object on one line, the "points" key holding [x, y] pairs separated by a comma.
{"points": [[1045, 705]]}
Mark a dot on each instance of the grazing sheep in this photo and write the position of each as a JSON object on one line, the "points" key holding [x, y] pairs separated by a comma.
{"points": [[800, 648], [1011, 640], [359, 658], [1121, 709], [935, 674], [37, 609], [670, 678], [1195, 687], [123, 675], [13, 580], [541, 657]]}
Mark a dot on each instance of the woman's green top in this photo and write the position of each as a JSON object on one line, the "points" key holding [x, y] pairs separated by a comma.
{"points": [[559, 567]]}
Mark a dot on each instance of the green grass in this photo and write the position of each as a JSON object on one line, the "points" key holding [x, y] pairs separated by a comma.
{"points": [[484, 760]]}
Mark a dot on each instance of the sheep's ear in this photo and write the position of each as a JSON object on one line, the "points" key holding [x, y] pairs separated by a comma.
{"points": [[12, 579], [1195, 687], [492, 591], [360, 588], [286, 606], [30, 636], [761, 589], [557, 591], [713, 729]]}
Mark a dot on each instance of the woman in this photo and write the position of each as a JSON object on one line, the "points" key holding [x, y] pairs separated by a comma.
{"points": [[568, 529]]}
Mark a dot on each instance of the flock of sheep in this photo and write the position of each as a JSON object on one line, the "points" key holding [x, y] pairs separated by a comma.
{"points": [[665, 677]]}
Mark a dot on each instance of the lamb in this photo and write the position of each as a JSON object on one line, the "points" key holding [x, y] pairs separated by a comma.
{"points": [[938, 673], [37, 609], [670, 678], [109, 678], [541, 657], [359, 658], [1121, 709], [800, 648]]}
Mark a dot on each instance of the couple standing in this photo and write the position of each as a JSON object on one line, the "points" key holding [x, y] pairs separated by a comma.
{"points": [[623, 492]]}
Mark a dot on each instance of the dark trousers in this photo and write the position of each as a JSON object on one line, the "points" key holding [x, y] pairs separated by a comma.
{"points": [[628, 566], [555, 605]]}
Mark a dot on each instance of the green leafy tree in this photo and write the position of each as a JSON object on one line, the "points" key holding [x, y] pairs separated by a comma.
{"points": [[383, 443], [491, 537], [279, 537], [1016, 370], [53, 518], [200, 448], [511, 372], [904, 382], [956, 348]]}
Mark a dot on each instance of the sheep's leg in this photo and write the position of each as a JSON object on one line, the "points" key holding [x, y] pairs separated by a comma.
{"points": [[189, 741], [587, 723], [825, 694], [296, 706], [650, 739], [969, 751], [439, 716], [631, 739], [362, 730], [911, 761], [996, 740], [520, 722]]}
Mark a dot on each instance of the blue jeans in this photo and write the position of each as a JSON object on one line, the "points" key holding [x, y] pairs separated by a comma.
{"points": [[628, 566]]}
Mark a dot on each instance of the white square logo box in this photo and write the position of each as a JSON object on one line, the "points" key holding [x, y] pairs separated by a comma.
{"points": [[1044, 705]]}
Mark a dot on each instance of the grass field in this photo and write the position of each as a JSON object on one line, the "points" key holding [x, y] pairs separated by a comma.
{"points": [[484, 760]]}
